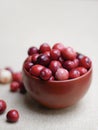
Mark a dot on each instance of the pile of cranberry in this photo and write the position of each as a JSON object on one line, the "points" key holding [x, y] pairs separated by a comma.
{"points": [[7, 75], [56, 63]]}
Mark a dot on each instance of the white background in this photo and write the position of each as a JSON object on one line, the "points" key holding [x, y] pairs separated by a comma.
{"points": [[25, 23]]}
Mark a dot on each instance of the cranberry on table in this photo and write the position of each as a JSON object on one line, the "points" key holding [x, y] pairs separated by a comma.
{"points": [[22, 88], [12, 116], [14, 86], [54, 65], [34, 58], [45, 74], [58, 46], [28, 65], [68, 53], [62, 74], [35, 70], [17, 76], [82, 70], [55, 54], [44, 47], [5, 76], [9, 69], [32, 50], [2, 106], [43, 60], [74, 73], [85, 62]]}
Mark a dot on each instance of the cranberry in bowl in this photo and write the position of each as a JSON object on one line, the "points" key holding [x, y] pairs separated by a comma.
{"points": [[60, 88]]}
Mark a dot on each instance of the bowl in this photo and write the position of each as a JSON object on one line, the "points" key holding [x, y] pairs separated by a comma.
{"points": [[57, 94]]}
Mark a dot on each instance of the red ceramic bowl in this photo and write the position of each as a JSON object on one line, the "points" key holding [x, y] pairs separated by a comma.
{"points": [[57, 94]]}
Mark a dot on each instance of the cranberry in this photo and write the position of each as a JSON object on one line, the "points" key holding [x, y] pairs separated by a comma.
{"points": [[44, 47], [55, 54], [82, 70], [9, 69], [2, 106], [61, 74], [61, 60], [14, 86], [76, 62], [47, 53], [35, 70], [51, 78], [74, 73], [34, 58], [68, 53], [17, 76], [80, 56], [69, 64], [28, 59], [54, 65], [58, 46], [45, 74], [32, 50], [22, 88], [12, 116], [5, 76], [85, 62], [43, 60], [28, 65]]}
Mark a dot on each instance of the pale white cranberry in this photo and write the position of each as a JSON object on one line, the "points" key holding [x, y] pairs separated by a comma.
{"points": [[5, 76]]}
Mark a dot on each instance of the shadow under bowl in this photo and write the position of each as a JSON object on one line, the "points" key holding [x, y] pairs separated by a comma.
{"points": [[57, 94]]}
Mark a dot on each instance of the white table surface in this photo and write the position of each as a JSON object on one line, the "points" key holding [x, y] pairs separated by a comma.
{"points": [[24, 23]]}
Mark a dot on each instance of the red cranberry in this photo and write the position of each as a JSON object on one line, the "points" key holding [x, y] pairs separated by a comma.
{"points": [[80, 56], [82, 70], [74, 73], [43, 60], [44, 47], [45, 74], [12, 116], [17, 76], [51, 78], [47, 53], [54, 65], [28, 65], [69, 64], [61, 60], [58, 46], [32, 50], [2, 106], [14, 86], [34, 58], [35, 70], [61, 74], [85, 62], [55, 54], [76, 62], [28, 59], [68, 53], [22, 88]]}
